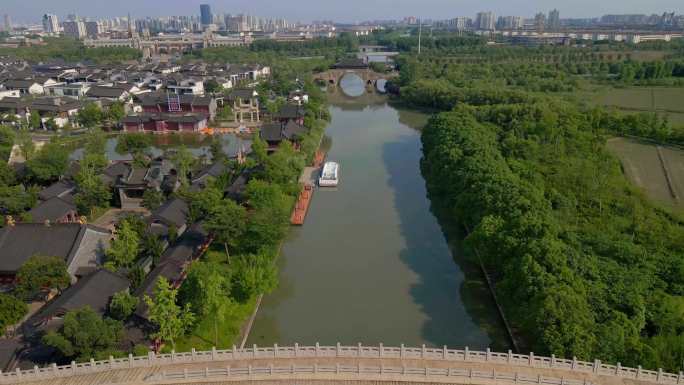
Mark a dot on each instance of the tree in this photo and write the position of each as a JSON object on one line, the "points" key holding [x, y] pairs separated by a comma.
{"points": [[227, 222], [51, 124], [124, 249], [204, 201], [172, 234], [254, 274], [152, 199], [225, 113], [216, 149], [212, 86], [133, 143], [90, 115], [42, 273], [92, 191], [152, 247], [116, 112], [94, 150], [26, 145], [206, 289], [48, 164], [269, 221], [7, 136], [12, 310], [7, 175], [85, 335], [171, 320], [15, 200], [183, 160], [122, 305], [34, 120]]}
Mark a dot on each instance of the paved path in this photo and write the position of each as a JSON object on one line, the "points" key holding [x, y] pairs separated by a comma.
{"points": [[333, 365]]}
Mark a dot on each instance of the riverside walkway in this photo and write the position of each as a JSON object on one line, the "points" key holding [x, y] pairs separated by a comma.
{"points": [[338, 365]]}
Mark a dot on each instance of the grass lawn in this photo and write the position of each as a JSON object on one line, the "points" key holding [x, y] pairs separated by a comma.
{"points": [[202, 338]]}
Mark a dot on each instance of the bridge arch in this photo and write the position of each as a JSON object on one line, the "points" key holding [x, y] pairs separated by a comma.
{"points": [[341, 364], [333, 77]]}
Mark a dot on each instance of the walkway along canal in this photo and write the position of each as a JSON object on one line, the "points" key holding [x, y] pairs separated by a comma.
{"points": [[371, 264]]}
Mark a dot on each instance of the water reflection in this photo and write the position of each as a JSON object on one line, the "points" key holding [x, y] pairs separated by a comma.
{"points": [[352, 85], [197, 144]]}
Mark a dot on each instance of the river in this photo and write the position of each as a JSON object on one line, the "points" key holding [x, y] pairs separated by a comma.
{"points": [[371, 263]]}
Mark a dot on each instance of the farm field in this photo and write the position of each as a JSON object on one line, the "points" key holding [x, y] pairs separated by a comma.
{"points": [[642, 166], [664, 100]]}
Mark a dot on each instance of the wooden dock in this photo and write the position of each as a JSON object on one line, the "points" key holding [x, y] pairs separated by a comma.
{"points": [[302, 206], [308, 180]]}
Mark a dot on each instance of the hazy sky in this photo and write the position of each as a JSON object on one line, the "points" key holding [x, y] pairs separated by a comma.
{"points": [[338, 10]]}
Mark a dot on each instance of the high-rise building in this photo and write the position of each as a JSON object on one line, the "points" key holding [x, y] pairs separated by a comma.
{"points": [[75, 29], [462, 23], [510, 22], [7, 23], [50, 23], [205, 14], [540, 21], [553, 22], [93, 29], [485, 21], [238, 23]]}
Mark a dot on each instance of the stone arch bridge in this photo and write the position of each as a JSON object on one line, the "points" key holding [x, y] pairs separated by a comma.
{"points": [[332, 77], [314, 365]]}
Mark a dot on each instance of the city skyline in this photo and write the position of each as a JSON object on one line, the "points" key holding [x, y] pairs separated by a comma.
{"points": [[350, 11]]}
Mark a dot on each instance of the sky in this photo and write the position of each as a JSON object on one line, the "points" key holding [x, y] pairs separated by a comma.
{"points": [[337, 10]]}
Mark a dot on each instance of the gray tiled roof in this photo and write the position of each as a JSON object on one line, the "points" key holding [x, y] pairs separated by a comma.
{"points": [[174, 211], [24, 240], [94, 290], [51, 210]]}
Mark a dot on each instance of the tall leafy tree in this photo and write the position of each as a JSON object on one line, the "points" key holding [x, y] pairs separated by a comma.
{"points": [[254, 274], [116, 112], [227, 221], [122, 305], [25, 143], [49, 163], [90, 115], [92, 191], [85, 335], [171, 320], [183, 160], [42, 273], [124, 249], [207, 290], [12, 310], [152, 199], [35, 121]]}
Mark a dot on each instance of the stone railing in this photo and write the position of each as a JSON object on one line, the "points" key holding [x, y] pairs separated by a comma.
{"points": [[359, 372], [358, 351]]}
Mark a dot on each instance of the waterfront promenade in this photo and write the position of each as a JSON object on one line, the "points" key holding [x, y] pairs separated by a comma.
{"points": [[341, 364]]}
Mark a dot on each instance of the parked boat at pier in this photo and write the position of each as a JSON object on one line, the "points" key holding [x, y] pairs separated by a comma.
{"points": [[329, 175]]}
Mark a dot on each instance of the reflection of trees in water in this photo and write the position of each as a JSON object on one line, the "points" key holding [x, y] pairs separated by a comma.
{"points": [[189, 140], [326, 143], [354, 103], [411, 118]]}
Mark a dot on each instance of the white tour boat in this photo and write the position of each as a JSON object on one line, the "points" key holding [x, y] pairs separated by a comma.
{"points": [[330, 175]]}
